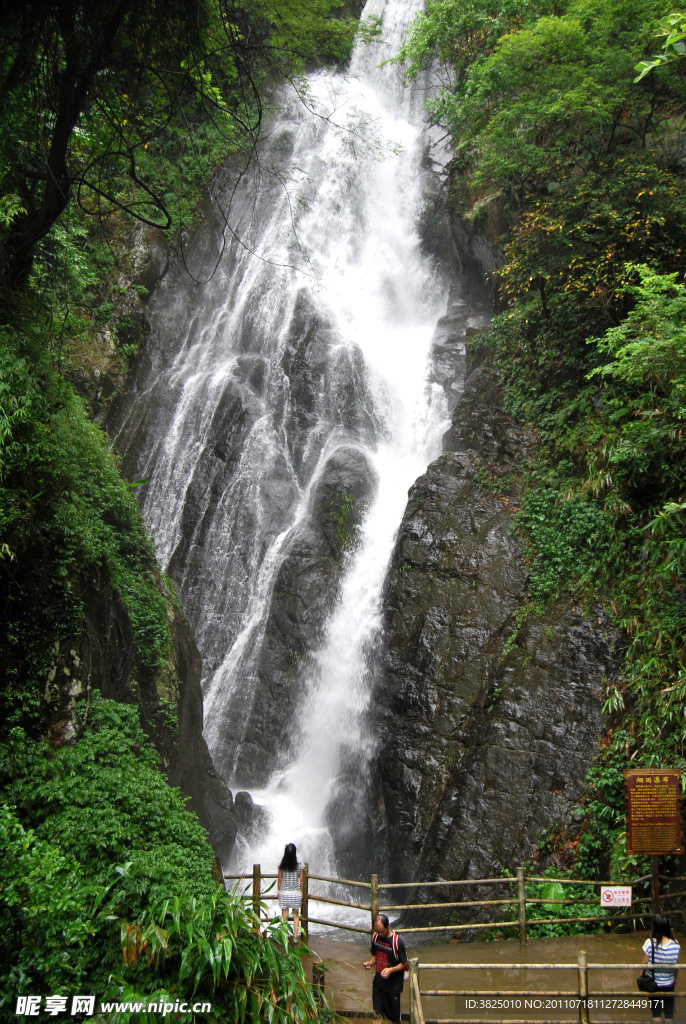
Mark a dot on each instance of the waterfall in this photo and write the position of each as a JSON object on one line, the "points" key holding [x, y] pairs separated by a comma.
{"points": [[293, 372]]}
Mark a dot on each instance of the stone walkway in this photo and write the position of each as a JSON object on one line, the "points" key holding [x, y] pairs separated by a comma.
{"points": [[348, 986]]}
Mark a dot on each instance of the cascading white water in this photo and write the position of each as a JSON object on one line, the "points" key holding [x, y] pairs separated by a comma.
{"points": [[384, 295], [217, 357]]}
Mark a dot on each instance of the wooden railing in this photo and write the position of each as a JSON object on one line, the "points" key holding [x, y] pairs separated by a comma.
{"points": [[582, 998], [519, 899], [585, 1000]]}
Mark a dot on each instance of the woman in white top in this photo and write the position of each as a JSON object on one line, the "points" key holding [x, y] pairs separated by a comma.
{"points": [[290, 885], [665, 950]]}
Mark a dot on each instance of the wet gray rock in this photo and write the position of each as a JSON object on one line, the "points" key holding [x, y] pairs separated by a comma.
{"points": [[251, 818], [150, 253], [448, 355], [244, 811], [487, 729], [306, 588], [192, 767], [326, 383], [477, 230]]}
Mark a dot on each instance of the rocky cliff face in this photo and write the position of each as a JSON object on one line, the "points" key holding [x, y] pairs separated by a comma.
{"points": [[477, 228], [168, 696], [487, 729], [104, 657]]}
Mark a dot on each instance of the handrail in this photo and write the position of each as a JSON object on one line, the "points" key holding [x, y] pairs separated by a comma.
{"points": [[505, 880], [598, 917], [339, 903], [520, 879], [581, 881], [341, 881], [462, 927], [465, 903], [336, 924], [635, 967], [500, 966], [536, 992], [418, 1000], [497, 992], [639, 910], [546, 967], [250, 876]]}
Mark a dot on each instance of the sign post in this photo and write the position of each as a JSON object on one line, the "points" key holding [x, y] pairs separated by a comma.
{"points": [[654, 822]]}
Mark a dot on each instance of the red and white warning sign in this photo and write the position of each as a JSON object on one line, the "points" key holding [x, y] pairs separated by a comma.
{"points": [[615, 896]]}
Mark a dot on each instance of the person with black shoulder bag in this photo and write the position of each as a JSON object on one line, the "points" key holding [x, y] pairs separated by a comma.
{"points": [[659, 950]]}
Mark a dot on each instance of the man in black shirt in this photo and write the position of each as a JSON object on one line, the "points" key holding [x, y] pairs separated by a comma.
{"points": [[388, 953]]}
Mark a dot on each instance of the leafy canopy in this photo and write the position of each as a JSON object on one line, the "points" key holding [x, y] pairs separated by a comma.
{"points": [[93, 94], [672, 30]]}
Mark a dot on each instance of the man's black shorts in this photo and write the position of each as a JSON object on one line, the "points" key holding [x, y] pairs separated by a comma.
{"points": [[387, 1004]]}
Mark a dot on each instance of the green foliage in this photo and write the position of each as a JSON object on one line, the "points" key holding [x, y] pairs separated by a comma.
{"points": [[69, 520], [452, 34], [342, 511], [604, 514], [565, 534], [214, 948], [575, 244], [650, 345], [531, 94], [306, 34], [673, 32], [370, 29], [98, 803], [583, 903], [49, 914], [647, 399], [61, 932], [566, 902], [10, 207], [136, 105], [105, 801], [602, 839], [557, 92]]}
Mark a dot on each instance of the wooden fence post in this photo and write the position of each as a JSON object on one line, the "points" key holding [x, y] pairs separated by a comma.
{"points": [[416, 1012], [256, 891], [305, 909], [582, 972], [375, 899], [521, 896], [318, 973]]}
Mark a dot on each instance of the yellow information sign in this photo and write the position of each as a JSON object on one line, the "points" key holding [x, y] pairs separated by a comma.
{"points": [[653, 811]]}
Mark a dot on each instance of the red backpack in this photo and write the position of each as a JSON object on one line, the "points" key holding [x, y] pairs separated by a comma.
{"points": [[406, 966]]}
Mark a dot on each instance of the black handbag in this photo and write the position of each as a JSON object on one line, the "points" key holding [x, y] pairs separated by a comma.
{"points": [[646, 979]]}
